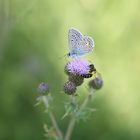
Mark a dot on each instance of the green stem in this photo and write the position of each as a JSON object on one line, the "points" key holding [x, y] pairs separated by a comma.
{"points": [[70, 128], [73, 118], [72, 121], [53, 120], [85, 102]]}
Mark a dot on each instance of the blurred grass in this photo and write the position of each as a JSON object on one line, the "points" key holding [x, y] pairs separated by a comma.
{"points": [[33, 37]]}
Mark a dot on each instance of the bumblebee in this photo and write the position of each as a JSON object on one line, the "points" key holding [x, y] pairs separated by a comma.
{"points": [[92, 71]]}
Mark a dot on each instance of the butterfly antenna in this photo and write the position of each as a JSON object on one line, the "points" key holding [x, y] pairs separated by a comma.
{"points": [[64, 56]]}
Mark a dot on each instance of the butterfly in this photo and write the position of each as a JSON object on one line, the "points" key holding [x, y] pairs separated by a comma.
{"points": [[79, 45]]}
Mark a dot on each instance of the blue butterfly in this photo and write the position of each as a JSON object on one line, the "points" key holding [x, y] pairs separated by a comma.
{"points": [[78, 44]]}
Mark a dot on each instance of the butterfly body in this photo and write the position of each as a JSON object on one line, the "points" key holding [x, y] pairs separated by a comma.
{"points": [[79, 45]]}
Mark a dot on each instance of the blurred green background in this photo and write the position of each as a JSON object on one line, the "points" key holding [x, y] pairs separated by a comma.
{"points": [[33, 41]]}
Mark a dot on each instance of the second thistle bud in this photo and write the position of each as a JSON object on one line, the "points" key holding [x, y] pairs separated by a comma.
{"points": [[96, 83], [69, 88]]}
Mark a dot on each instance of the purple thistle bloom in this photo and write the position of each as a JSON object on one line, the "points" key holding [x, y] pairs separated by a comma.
{"points": [[77, 67], [43, 87]]}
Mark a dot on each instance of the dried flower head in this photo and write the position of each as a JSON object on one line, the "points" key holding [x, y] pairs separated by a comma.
{"points": [[77, 67], [69, 88], [96, 83], [43, 87]]}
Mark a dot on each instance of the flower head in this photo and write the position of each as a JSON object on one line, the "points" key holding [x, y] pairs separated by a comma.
{"points": [[77, 67], [96, 83], [43, 87], [69, 88]]}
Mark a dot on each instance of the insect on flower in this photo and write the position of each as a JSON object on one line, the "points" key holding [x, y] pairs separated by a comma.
{"points": [[78, 44], [91, 72]]}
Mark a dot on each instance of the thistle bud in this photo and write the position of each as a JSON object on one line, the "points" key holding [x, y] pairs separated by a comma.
{"points": [[43, 88], [96, 83], [69, 88]]}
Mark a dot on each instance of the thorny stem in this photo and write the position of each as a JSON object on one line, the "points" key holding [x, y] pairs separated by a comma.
{"points": [[70, 128], [85, 102], [73, 118], [71, 123], [53, 120]]}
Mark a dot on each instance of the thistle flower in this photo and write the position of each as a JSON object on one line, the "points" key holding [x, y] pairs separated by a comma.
{"points": [[43, 87], [69, 88], [96, 83], [77, 67]]}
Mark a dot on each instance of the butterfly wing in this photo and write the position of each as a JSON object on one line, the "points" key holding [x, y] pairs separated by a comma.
{"points": [[88, 44], [78, 44], [74, 39], [85, 46]]}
